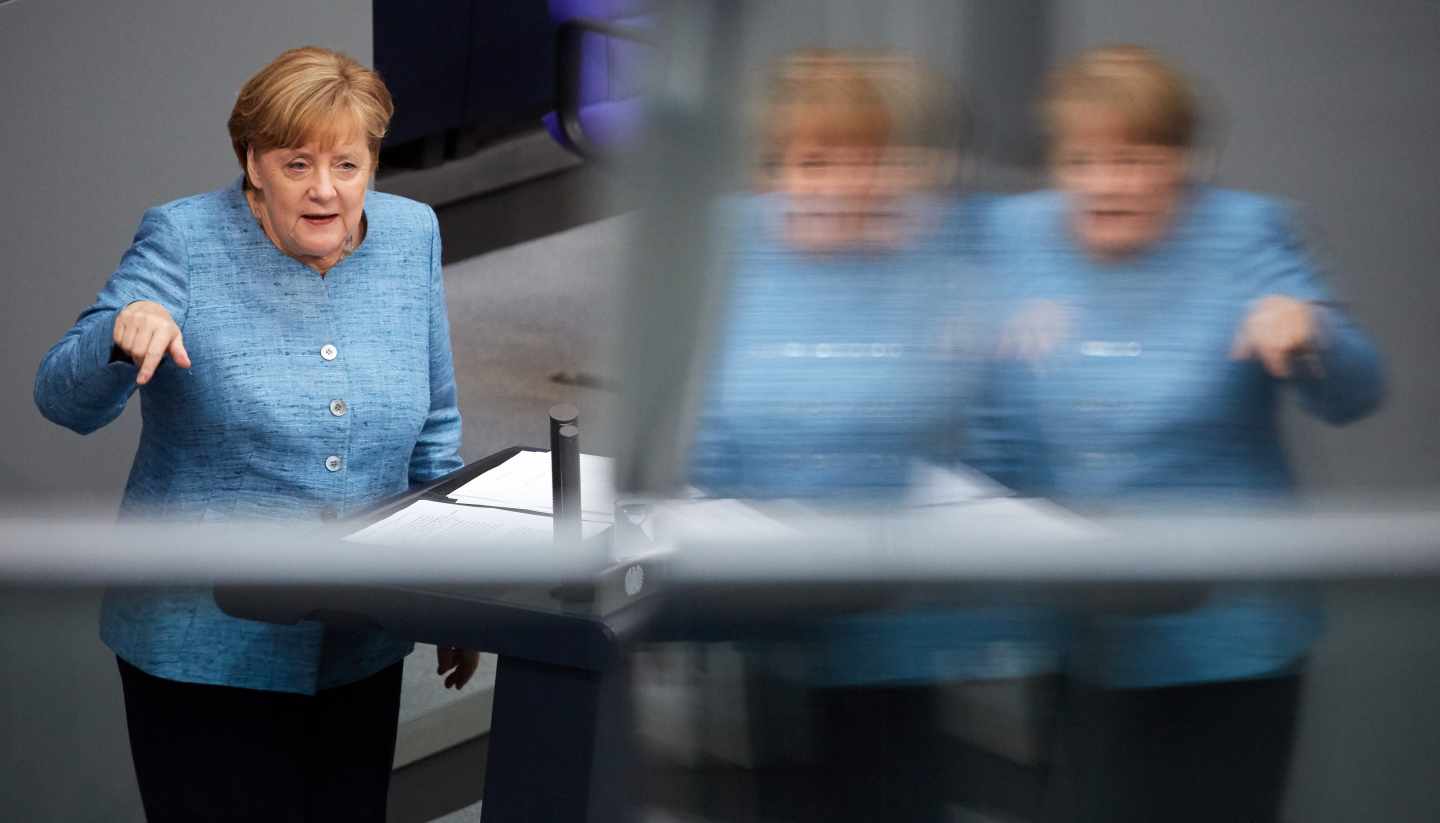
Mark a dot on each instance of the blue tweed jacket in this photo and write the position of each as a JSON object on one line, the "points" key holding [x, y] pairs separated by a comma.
{"points": [[1141, 405], [309, 398], [833, 376], [829, 377]]}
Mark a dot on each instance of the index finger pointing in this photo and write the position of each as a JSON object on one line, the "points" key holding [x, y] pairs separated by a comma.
{"points": [[1277, 361], [154, 352], [178, 353]]}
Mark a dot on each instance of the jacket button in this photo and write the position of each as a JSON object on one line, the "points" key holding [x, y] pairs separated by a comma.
{"points": [[328, 352], [338, 408], [332, 463]]}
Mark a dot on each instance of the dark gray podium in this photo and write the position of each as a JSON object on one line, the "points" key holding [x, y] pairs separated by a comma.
{"points": [[559, 739]]}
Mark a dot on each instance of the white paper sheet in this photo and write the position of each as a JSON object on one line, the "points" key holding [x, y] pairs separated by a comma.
{"points": [[427, 522], [932, 485], [675, 519], [523, 482]]}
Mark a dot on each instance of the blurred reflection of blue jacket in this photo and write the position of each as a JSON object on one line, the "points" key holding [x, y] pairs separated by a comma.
{"points": [[833, 374], [1141, 405]]}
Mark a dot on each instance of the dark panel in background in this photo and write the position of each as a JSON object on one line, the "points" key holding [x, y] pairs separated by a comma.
{"points": [[532, 210], [463, 74], [511, 81], [422, 51]]}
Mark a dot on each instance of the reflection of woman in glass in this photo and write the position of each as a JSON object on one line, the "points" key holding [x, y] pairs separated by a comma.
{"points": [[840, 366], [1169, 320]]}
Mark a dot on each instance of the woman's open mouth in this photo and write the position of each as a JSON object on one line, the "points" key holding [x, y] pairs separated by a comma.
{"points": [[320, 219], [1110, 214]]}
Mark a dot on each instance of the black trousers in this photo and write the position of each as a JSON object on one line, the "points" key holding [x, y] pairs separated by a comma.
{"points": [[1208, 752], [876, 757], [881, 754], [226, 754]]}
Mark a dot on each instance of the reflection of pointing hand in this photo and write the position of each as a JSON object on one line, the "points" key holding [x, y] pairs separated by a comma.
{"points": [[146, 333], [1277, 331], [1034, 332]]}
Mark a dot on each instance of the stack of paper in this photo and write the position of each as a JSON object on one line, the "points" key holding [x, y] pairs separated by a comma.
{"points": [[431, 522], [523, 482]]}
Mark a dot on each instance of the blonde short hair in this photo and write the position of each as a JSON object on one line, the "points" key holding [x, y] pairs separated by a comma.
{"points": [[1153, 99], [822, 95], [303, 95], [856, 97]]}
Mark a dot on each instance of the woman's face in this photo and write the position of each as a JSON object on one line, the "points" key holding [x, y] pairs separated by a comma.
{"points": [[1123, 194], [848, 195], [310, 198], [830, 191]]}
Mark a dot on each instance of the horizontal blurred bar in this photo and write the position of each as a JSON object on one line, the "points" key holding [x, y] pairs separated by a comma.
{"points": [[968, 544]]}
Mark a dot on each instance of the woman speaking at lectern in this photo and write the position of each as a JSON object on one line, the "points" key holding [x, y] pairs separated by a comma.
{"points": [[288, 338]]}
